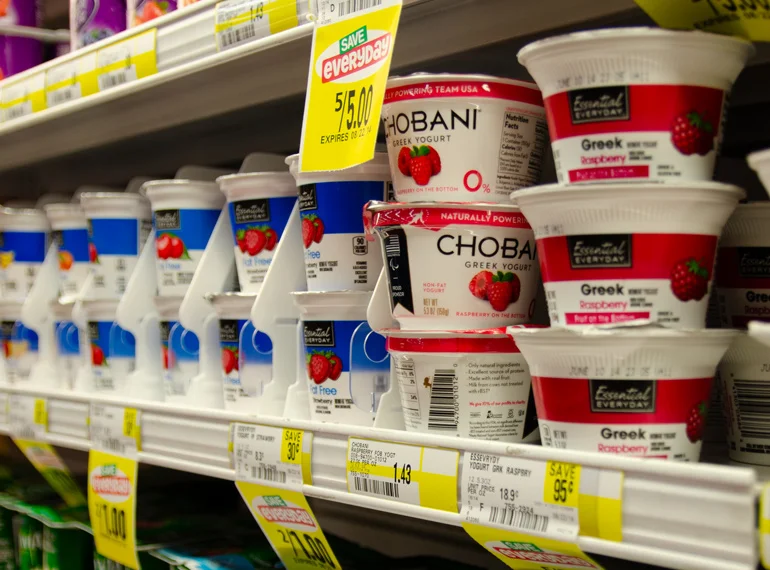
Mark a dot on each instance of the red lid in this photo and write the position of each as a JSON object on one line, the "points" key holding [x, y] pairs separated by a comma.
{"points": [[471, 341]]}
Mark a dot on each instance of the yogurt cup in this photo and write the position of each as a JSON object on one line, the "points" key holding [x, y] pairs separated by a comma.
{"points": [[613, 253], [247, 354], [259, 204], [348, 366], [23, 245], [67, 337], [743, 266], [118, 226], [760, 163], [457, 266], [69, 231], [113, 349], [184, 213], [636, 390], [180, 350], [463, 138], [472, 384], [338, 256], [20, 344], [641, 114]]}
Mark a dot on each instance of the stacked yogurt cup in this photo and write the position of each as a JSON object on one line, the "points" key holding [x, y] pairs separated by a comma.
{"points": [[627, 241]]}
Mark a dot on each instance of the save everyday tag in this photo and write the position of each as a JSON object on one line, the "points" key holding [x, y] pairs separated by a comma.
{"points": [[265, 454], [115, 430], [747, 18]]}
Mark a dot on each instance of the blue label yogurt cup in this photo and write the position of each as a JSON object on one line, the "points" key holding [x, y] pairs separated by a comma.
{"points": [[67, 337], [20, 344], [69, 231], [24, 237], [180, 350], [113, 349]]}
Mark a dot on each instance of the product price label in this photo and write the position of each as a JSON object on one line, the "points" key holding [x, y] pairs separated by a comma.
{"points": [[115, 430], [71, 80], [265, 454], [290, 525], [23, 97], [27, 417], [747, 18], [422, 476], [241, 21], [112, 482], [45, 459], [346, 85], [127, 60]]}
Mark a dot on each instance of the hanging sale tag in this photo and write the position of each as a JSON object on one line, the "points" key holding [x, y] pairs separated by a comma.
{"points": [[349, 67], [45, 459], [746, 18]]}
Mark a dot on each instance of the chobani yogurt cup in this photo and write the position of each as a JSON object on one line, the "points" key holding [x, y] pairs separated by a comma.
{"points": [[259, 204], [113, 349], [118, 226], [23, 245], [457, 266], [67, 337], [20, 344], [247, 354], [180, 350], [338, 256], [69, 231], [612, 253], [642, 114], [462, 138], [635, 390], [465, 383], [184, 213], [743, 266], [348, 366]]}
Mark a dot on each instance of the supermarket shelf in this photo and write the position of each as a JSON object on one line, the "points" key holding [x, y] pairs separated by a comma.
{"points": [[685, 516]]}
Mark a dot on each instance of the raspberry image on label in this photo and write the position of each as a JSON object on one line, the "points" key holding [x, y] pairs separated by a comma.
{"points": [[335, 364], [696, 422], [312, 230], [405, 161], [689, 280], [479, 283], [97, 356], [229, 360], [692, 134], [168, 246], [504, 290]]}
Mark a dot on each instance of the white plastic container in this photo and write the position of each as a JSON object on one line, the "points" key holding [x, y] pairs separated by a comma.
{"points": [[760, 163], [113, 349], [259, 204], [180, 350], [67, 339], [25, 234], [613, 253], [348, 366], [184, 213], [457, 266], [463, 138], [118, 226], [635, 103], [630, 390], [20, 344], [337, 255], [247, 354], [472, 384], [69, 231]]}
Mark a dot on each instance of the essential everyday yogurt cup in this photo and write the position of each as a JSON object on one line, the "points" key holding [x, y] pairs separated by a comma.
{"points": [[472, 384], [641, 114], [635, 390], [348, 366], [613, 253], [20, 344], [259, 204], [118, 226], [463, 138], [184, 213], [338, 256], [457, 266], [247, 354], [69, 231], [23, 247], [180, 350], [67, 338], [113, 349]]}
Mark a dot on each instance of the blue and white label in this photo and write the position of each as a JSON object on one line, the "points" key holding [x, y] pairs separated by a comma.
{"points": [[257, 225], [113, 355], [73, 258], [113, 249], [247, 362], [21, 254], [337, 255], [348, 369], [67, 351], [179, 353], [20, 346], [180, 238]]}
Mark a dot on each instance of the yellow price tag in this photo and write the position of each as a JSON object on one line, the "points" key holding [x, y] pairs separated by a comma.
{"points": [[291, 446], [131, 427], [348, 70], [41, 413], [127, 60], [271, 454], [23, 97], [45, 459], [764, 526], [71, 80], [747, 18], [562, 484], [112, 482], [241, 21]]}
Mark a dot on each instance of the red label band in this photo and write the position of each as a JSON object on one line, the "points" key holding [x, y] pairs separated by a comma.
{"points": [[603, 318], [439, 218], [454, 345], [743, 267], [470, 89], [608, 173]]}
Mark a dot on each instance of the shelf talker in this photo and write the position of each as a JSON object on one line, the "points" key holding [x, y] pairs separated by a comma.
{"points": [[378, 313]]}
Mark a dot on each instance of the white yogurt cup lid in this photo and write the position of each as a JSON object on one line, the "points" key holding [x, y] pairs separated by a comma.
{"points": [[614, 191], [122, 204], [445, 79], [481, 340], [375, 170], [236, 301], [627, 334], [257, 185], [311, 299], [168, 306], [176, 193], [65, 215], [748, 225], [23, 219]]}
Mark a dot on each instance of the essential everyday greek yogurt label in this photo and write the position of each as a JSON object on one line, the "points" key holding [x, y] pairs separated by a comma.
{"points": [[247, 362], [73, 258], [21, 254], [179, 358], [21, 347], [67, 351], [743, 285], [114, 246], [113, 353]]}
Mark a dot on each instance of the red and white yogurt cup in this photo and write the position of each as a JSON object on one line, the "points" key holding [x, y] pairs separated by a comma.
{"points": [[472, 384], [462, 138], [635, 103], [456, 266], [631, 390], [614, 253]]}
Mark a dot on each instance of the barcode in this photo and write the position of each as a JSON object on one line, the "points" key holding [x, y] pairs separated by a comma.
{"points": [[267, 473], [61, 96], [519, 518], [20, 110], [376, 487], [23, 431], [350, 6], [752, 399], [112, 444], [442, 413], [118, 77], [392, 246], [236, 35]]}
